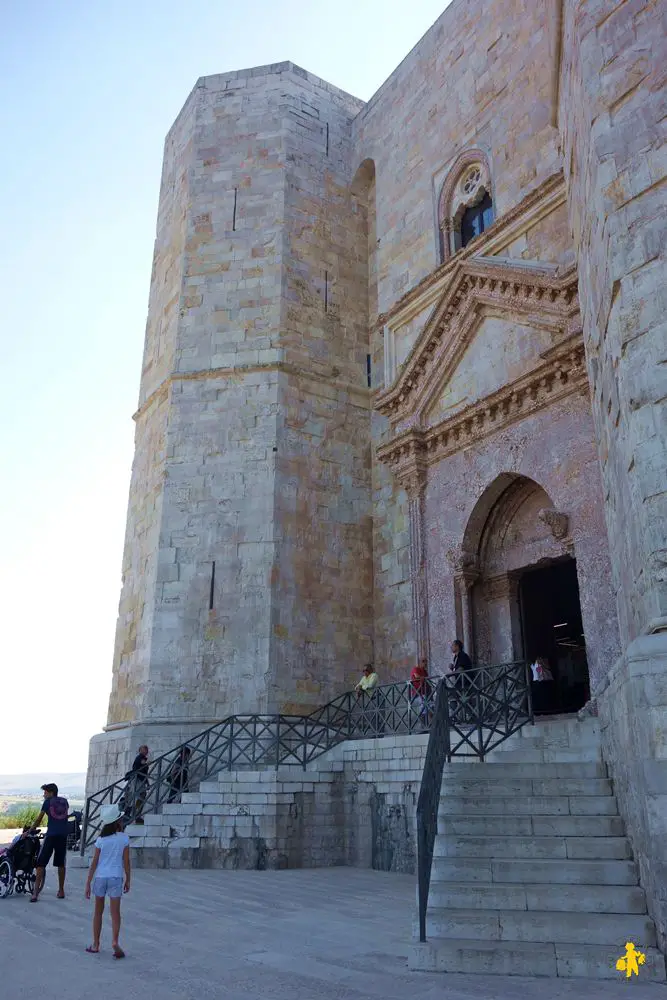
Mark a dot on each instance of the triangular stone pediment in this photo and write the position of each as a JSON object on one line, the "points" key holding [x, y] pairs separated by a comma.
{"points": [[499, 350], [536, 303]]}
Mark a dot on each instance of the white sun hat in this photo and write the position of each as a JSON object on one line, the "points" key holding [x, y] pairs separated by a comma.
{"points": [[109, 814]]}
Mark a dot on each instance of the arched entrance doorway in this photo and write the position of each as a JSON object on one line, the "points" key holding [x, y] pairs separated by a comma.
{"points": [[520, 575]]}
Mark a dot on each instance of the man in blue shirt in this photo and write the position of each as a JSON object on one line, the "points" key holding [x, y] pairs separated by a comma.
{"points": [[56, 809]]}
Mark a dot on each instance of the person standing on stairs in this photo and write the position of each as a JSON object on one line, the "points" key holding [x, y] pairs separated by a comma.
{"points": [[460, 665], [420, 691], [178, 776], [138, 782], [109, 875]]}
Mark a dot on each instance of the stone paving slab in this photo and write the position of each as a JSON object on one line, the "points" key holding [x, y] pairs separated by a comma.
{"points": [[335, 933]]}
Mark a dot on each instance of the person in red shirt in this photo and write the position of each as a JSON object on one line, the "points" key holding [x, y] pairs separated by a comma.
{"points": [[420, 690]]}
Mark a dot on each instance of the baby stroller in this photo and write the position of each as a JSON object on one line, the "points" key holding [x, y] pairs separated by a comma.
{"points": [[74, 830], [17, 866]]}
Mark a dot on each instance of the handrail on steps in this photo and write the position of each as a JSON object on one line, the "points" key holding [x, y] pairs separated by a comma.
{"points": [[261, 741], [474, 712]]}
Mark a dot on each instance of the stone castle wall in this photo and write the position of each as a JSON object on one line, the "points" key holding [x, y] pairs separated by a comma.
{"points": [[612, 116], [253, 432], [481, 76]]}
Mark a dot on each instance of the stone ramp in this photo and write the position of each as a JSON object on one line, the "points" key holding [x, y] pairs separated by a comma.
{"points": [[532, 872]]}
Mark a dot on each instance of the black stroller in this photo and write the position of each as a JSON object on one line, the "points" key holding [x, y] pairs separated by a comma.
{"points": [[74, 830], [17, 866]]}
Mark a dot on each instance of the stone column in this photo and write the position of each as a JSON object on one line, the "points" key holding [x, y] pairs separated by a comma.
{"points": [[446, 239], [465, 581], [415, 485]]}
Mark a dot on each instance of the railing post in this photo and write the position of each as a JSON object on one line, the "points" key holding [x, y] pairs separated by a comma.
{"points": [[442, 688], [84, 828], [277, 742], [528, 676], [231, 744]]}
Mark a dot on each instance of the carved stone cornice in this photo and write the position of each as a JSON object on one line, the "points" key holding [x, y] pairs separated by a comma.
{"points": [[540, 294], [409, 461], [561, 373]]}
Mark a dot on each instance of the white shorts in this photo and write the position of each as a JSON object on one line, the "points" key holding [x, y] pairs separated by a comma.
{"points": [[111, 887]]}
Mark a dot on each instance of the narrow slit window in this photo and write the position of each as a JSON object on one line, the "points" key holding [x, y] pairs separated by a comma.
{"points": [[368, 370], [326, 291], [236, 192], [211, 593]]}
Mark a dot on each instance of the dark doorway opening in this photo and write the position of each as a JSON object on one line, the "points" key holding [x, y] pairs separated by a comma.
{"points": [[553, 629]]}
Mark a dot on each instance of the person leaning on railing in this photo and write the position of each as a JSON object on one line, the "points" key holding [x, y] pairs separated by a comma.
{"points": [[371, 719], [420, 690], [368, 682]]}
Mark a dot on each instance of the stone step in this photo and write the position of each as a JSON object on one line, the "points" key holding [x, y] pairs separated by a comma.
{"points": [[544, 926], [511, 958], [540, 826], [591, 899], [514, 753], [510, 771], [503, 848], [524, 786], [565, 725], [537, 805], [179, 809], [492, 870]]}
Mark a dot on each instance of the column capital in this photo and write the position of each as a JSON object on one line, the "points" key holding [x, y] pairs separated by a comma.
{"points": [[411, 468], [467, 578]]}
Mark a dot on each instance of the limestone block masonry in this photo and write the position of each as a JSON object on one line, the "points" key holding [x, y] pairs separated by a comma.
{"points": [[354, 806], [247, 573], [612, 116]]}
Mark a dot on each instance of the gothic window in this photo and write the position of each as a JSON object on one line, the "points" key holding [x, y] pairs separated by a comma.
{"points": [[466, 202]]}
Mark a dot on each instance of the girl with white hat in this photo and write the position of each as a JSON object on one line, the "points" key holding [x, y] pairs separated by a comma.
{"points": [[109, 875]]}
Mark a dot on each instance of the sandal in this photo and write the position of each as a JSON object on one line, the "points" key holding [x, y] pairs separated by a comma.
{"points": [[118, 952], [34, 899], [60, 895], [92, 951]]}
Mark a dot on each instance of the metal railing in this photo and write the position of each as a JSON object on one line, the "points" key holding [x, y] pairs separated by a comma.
{"points": [[257, 741], [475, 711]]}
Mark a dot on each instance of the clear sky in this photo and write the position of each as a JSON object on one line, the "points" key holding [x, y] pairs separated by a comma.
{"points": [[88, 91]]}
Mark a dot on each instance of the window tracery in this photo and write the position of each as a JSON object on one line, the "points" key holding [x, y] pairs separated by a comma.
{"points": [[465, 208]]}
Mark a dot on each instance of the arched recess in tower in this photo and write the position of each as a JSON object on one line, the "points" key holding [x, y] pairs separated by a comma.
{"points": [[363, 191]]}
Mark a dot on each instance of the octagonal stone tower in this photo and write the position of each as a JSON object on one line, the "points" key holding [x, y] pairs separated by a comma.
{"points": [[247, 572]]}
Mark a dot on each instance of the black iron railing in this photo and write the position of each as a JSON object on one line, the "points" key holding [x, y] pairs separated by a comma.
{"points": [[257, 741], [474, 712]]}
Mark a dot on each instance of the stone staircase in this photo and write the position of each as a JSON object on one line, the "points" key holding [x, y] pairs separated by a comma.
{"points": [[532, 872], [244, 819]]}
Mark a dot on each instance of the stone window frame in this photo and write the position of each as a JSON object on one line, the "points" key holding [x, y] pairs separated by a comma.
{"points": [[456, 196]]}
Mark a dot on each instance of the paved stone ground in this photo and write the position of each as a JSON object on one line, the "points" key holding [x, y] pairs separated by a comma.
{"points": [[335, 933]]}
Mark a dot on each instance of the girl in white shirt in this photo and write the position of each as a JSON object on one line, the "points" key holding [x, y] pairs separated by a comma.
{"points": [[109, 875]]}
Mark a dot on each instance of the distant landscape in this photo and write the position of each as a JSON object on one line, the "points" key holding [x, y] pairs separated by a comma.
{"points": [[69, 785], [20, 794]]}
